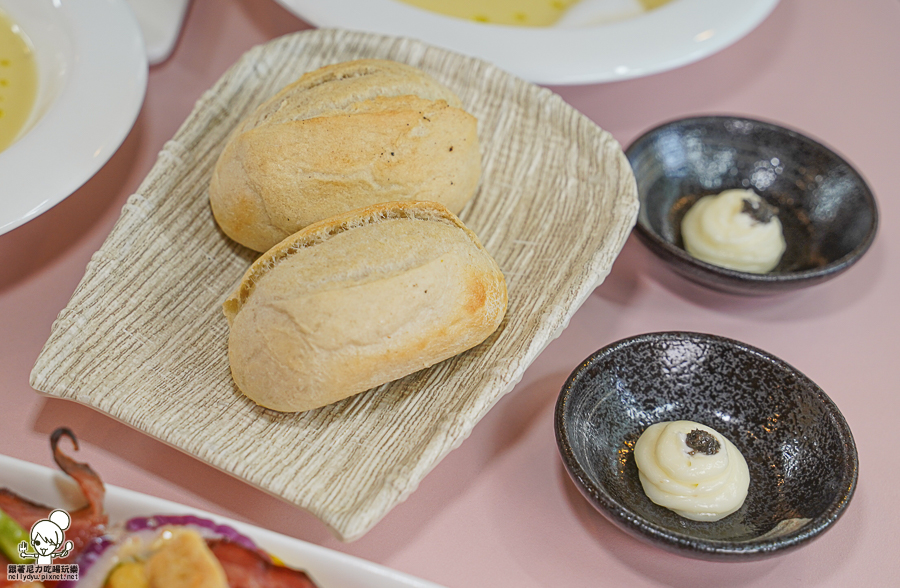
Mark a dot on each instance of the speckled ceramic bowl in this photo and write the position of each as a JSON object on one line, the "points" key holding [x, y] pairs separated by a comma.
{"points": [[801, 454], [827, 211]]}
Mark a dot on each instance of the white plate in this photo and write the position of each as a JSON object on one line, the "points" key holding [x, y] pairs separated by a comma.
{"points": [[326, 567], [673, 35], [92, 76]]}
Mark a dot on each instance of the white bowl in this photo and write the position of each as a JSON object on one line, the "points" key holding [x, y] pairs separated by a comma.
{"points": [[92, 75], [677, 33]]}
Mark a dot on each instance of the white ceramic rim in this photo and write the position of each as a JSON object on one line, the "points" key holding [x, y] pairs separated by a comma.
{"points": [[99, 98], [671, 36], [161, 22], [326, 566]]}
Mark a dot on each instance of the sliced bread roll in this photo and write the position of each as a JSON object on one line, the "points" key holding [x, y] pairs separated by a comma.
{"points": [[358, 300], [343, 137]]}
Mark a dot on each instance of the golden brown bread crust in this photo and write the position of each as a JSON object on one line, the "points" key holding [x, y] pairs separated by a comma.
{"points": [[358, 300], [344, 137]]}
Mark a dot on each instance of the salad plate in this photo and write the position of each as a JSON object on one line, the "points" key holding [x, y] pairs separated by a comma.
{"points": [[327, 567], [144, 339], [675, 34]]}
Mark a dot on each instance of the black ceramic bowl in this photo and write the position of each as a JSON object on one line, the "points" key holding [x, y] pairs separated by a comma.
{"points": [[827, 211], [801, 454]]}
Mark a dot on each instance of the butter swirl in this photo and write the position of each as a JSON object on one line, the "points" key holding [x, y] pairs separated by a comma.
{"points": [[695, 484], [718, 230]]}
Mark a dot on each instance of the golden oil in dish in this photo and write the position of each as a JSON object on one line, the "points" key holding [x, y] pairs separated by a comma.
{"points": [[651, 4], [527, 13], [18, 80]]}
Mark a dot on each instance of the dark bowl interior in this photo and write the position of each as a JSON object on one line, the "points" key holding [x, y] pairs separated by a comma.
{"points": [[827, 211], [801, 454]]}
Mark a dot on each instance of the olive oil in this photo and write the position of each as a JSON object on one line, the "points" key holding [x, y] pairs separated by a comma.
{"points": [[18, 80], [651, 4], [528, 13]]}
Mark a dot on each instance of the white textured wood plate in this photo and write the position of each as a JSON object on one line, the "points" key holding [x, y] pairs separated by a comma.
{"points": [[143, 338]]}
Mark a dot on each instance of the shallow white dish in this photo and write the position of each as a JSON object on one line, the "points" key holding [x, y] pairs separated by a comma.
{"points": [[671, 36], [92, 78], [325, 566]]}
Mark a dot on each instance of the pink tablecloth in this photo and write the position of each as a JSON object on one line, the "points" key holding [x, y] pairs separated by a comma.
{"points": [[500, 511]]}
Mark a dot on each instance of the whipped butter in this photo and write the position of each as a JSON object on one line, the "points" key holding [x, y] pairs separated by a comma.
{"points": [[735, 229], [691, 469]]}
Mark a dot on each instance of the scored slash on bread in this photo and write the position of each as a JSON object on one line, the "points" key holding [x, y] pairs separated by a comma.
{"points": [[359, 300], [336, 87]]}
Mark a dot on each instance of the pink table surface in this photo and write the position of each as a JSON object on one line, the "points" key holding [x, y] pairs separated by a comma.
{"points": [[500, 510]]}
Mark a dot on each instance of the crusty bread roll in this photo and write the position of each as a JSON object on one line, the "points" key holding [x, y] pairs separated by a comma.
{"points": [[358, 300], [343, 137]]}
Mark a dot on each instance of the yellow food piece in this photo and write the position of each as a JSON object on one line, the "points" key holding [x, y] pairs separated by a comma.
{"points": [[180, 558], [184, 561], [128, 575]]}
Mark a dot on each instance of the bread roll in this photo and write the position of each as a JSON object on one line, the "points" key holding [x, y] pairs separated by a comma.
{"points": [[343, 137], [358, 300]]}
